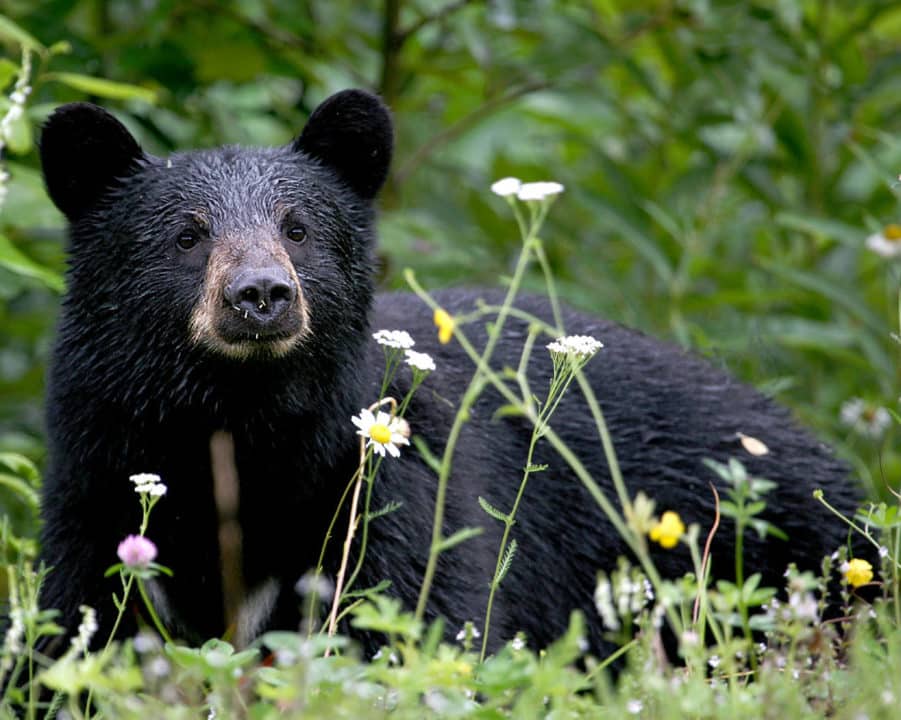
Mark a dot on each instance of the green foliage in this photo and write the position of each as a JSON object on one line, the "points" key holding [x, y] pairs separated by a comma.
{"points": [[724, 164], [725, 161]]}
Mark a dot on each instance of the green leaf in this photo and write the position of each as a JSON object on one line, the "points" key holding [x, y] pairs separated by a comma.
{"points": [[103, 88], [461, 536], [491, 510], [384, 510], [21, 466], [536, 468], [20, 488], [820, 227], [13, 259], [426, 454], [367, 592], [509, 553], [8, 70], [12, 33]]}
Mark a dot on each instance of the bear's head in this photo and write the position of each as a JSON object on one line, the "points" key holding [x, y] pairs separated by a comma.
{"points": [[235, 252]]}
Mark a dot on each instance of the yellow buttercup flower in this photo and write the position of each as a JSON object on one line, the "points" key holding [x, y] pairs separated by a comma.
{"points": [[668, 531], [445, 324], [857, 572]]}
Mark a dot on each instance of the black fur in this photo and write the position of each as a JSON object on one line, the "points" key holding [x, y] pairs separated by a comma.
{"points": [[129, 393]]}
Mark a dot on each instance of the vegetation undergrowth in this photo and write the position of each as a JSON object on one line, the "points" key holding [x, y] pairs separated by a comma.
{"points": [[742, 652]]}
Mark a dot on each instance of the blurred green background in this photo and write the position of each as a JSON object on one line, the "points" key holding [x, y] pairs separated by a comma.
{"points": [[724, 164]]}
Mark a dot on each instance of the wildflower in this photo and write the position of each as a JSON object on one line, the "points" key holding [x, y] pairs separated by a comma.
{"points": [[603, 601], [633, 707], [382, 431], [507, 186], [445, 323], [518, 643], [883, 551], [419, 361], [857, 572], [538, 190], [136, 551], [394, 339], [86, 629], [148, 484], [887, 242], [668, 531], [312, 583], [578, 347], [865, 418], [468, 632], [12, 641], [714, 661]]}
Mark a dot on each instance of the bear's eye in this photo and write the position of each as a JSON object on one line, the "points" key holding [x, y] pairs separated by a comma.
{"points": [[297, 233], [187, 239]]}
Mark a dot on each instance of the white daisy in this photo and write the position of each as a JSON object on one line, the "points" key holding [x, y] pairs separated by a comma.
{"points": [[394, 339], [886, 243], [507, 186], [382, 431], [865, 418], [420, 361], [579, 347], [538, 190]]}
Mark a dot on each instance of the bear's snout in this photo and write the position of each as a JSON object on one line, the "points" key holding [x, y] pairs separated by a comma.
{"points": [[263, 295]]}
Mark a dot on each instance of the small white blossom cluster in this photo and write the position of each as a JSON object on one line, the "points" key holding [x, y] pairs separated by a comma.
{"points": [[12, 642], [399, 339], [148, 484], [578, 347], [86, 630], [468, 632], [865, 419], [312, 583], [622, 596], [17, 99], [419, 360], [511, 186], [402, 340]]}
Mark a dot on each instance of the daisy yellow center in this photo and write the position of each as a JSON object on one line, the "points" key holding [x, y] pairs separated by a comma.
{"points": [[380, 433], [892, 232]]}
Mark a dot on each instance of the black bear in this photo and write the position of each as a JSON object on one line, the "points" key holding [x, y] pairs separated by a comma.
{"points": [[232, 290]]}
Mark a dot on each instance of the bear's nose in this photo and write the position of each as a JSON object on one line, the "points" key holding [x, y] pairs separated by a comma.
{"points": [[263, 294]]}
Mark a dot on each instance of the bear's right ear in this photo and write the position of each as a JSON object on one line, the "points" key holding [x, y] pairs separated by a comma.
{"points": [[352, 133], [84, 150]]}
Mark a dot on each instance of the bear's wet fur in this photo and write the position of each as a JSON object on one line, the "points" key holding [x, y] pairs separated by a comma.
{"points": [[177, 324]]}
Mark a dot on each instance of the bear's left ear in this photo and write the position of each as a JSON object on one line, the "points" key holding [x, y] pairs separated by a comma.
{"points": [[352, 133], [84, 151]]}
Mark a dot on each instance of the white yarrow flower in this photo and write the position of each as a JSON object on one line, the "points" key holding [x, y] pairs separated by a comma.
{"points": [[420, 361], [539, 190], [399, 339], [579, 347], [86, 629], [507, 186], [383, 432], [148, 484]]}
